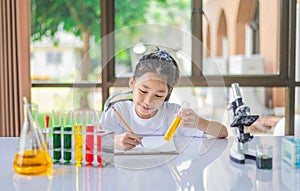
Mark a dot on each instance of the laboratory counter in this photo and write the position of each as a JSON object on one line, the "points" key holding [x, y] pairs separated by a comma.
{"points": [[202, 164]]}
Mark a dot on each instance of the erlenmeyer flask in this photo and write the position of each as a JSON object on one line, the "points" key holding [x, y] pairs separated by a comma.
{"points": [[32, 157]]}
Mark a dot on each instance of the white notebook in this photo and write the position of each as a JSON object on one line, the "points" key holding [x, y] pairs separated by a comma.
{"points": [[153, 145]]}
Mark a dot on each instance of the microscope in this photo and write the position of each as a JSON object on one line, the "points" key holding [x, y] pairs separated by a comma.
{"points": [[241, 118]]}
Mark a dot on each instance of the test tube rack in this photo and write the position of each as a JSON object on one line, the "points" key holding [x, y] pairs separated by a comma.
{"points": [[86, 148]]}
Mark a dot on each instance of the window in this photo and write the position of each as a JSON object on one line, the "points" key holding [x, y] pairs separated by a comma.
{"points": [[53, 58], [65, 42], [151, 24], [213, 45]]}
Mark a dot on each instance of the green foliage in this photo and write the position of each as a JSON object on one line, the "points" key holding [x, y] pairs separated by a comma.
{"points": [[83, 16], [76, 16], [123, 56], [130, 13]]}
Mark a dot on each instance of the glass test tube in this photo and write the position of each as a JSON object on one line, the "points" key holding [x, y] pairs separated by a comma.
{"points": [[169, 134], [56, 122], [99, 132], [68, 124], [78, 121], [89, 142], [46, 130], [99, 145]]}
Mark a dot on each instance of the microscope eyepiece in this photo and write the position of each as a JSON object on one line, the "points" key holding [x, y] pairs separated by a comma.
{"points": [[236, 90]]}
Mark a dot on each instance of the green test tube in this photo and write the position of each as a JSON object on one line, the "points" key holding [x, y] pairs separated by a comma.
{"points": [[56, 122], [68, 124]]}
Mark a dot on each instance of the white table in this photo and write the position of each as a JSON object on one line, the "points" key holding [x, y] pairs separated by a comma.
{"points": [[203, 164]]}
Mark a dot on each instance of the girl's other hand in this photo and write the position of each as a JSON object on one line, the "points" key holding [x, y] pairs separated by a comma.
{"points": [[127, 141], [189, 118]]}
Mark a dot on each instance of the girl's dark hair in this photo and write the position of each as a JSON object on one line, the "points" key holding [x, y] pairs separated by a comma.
{"points": [[159, 62]]}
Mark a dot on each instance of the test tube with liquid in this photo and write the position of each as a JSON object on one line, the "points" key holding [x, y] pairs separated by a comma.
{"points": [[89, 141], [169, 134], [99, 131], [99, 146], [46, 130], [56, 122], [78, 122], [68, 124]]}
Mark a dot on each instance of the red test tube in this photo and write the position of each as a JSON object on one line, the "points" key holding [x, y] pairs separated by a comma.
{"points": [[89, 155], [46, 130], [89, 141], [99, 146]]}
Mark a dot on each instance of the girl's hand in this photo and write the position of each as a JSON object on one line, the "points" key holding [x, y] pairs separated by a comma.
{"points": [[188, 118], [127, 141]]}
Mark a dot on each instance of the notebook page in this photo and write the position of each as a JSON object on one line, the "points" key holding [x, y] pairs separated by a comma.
{"points": [[152, 145]]}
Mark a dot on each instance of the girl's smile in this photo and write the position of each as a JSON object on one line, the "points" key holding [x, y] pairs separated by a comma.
{"points": [[149, 93]]}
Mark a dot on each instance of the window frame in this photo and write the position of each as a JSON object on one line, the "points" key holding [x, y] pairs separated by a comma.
{"points": [[285, 78]]}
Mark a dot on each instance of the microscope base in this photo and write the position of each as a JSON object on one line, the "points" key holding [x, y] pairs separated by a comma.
{"points": [[239, 155]]}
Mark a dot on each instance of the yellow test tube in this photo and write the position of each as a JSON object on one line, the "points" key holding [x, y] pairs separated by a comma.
{"points": [[78, 121], [169, 134]]}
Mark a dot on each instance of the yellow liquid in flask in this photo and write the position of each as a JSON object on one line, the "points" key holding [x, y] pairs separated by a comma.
{"points": [[33, 162]]}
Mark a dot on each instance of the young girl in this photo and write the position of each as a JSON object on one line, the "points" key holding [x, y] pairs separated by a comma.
{"points": [[150, 113]]}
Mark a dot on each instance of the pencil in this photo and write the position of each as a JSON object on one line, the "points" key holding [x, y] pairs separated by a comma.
{"points": [[123, 121]]}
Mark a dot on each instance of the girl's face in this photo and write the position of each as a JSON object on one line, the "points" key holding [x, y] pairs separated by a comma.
{"points": [[149, 93]]}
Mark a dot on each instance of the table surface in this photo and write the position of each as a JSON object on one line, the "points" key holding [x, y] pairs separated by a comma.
{"points": [[202, 164]]}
